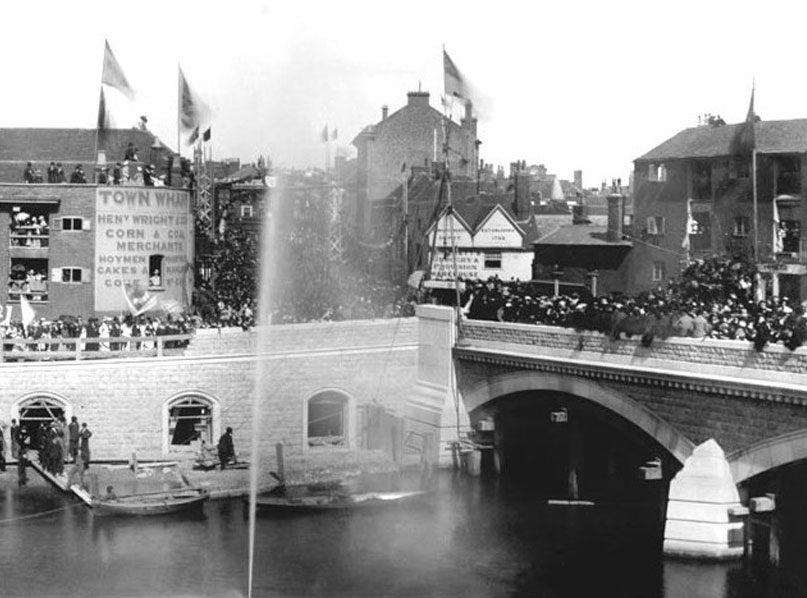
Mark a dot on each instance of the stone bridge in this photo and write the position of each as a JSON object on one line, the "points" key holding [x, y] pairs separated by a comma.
{"points": [[716, 410]]}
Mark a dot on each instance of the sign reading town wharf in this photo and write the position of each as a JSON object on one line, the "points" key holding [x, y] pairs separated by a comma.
{"points": [[143, 241]]}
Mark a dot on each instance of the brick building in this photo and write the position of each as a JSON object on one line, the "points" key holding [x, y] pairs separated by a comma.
{"points": [[414, 136], [75, 248], [706, 173]]}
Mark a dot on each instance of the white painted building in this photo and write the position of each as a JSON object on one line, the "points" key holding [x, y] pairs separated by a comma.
{"points": [[488, 242]]}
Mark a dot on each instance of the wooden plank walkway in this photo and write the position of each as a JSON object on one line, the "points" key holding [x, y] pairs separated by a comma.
{"points": [[60, 481]]}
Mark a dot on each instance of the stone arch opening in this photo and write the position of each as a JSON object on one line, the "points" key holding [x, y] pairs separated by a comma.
{"points": [[328, 414], [494, 387], [36, 411], [189, 419], [767, 455]]}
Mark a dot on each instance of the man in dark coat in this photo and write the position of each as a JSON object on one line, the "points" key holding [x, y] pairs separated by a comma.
{"points": [[28, 175], [84, 446], [73, 436], [226, 448]]}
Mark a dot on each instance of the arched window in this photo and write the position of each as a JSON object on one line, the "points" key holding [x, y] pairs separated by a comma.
{"points": [[35, 413], [328, 419], [190, 419]]}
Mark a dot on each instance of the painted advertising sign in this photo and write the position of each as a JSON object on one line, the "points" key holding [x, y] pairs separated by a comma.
{"points": [[469, 265], [143, 248]]}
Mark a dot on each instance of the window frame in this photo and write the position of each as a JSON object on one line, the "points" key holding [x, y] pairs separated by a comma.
{"points": [[493, 257], [659, 272], [658, 227], [73, 269]]}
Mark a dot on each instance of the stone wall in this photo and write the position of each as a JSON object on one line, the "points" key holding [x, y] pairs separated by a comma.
{"points": [[703, 388], [124, 401]]}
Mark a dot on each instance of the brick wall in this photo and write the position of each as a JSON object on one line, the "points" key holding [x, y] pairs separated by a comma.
{"points": [[123, 401]]}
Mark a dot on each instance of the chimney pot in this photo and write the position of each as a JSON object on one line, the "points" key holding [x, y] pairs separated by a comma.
{"points": [[384, 112]]}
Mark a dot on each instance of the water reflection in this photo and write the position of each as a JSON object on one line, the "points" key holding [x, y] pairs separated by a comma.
{"points": [[467, 538]]}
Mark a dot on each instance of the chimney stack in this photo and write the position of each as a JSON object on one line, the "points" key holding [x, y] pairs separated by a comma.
{"points": [[384, 112], [578, 179], [616, 208]]}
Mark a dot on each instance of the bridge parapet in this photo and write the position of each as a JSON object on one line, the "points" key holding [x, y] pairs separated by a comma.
{"points": [[772, 373]]}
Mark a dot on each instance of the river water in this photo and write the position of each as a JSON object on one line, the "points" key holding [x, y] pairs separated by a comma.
{"points": [[468, 537]]}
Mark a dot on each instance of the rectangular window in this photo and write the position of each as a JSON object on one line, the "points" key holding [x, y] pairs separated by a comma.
{"points": [[790, 233], [247, 211], [657, 172], [493, 260], [71, 275], [658, 271], [656, 225], [701, 231], [72, 223], [741, 226], [702, 181], [788, 175], [738, 168]]}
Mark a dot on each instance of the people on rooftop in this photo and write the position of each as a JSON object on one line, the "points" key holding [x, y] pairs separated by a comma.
{"points": [[78, 177]]}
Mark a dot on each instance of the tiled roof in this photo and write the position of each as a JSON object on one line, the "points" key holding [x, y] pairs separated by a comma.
{"points": [[580, 234], [70, 145], [772, 137]]}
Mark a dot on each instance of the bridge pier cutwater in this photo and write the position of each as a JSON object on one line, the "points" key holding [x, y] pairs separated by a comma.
{"points": [[715, 414]]}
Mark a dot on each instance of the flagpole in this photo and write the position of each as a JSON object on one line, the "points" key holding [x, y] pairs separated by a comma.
{"points": [[97, 132], [179, 107], [754, 196]]}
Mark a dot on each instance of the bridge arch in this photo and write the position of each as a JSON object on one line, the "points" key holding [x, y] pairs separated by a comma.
{"points": [[504, 384], [767, 454]]}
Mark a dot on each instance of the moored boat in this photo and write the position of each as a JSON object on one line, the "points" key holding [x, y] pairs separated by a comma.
{"points": [[152, 503], [330, 501]]}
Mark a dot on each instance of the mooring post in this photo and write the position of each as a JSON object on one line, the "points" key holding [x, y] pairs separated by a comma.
{"points": [[281, 467]]}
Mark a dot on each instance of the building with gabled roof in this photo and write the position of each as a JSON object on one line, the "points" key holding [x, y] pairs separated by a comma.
{"points": [[488, 239], [704, 176], [410, 136]]}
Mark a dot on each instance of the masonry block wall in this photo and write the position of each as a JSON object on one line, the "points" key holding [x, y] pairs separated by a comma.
{"points": [[704, 388], [125, 402]]}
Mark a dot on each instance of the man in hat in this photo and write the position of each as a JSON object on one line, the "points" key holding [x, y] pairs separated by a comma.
{"points": [[52, 173], [28, 175], [226, 447]]}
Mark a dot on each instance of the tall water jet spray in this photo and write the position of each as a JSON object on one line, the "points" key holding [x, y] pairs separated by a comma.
{"points": [[267, 276]]}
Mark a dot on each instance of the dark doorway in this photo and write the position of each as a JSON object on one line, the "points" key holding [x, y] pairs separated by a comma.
{"points": [[36, 414]]}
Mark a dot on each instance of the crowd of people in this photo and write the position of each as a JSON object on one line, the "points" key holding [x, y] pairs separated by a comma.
{"points": [[713, 298], [56, 443], [135, 333]]}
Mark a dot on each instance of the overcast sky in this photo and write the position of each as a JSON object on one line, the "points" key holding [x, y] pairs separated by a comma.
{"points": [[573, 85]]}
